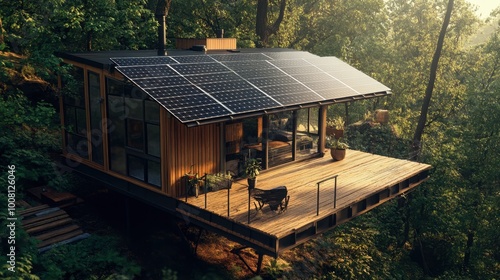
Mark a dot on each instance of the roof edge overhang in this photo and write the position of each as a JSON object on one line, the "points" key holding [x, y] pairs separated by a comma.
{"points": [[287, 108]]}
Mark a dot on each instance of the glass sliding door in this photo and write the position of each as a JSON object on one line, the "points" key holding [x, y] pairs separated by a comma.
{"points": [[280, 138], [307, 132]]}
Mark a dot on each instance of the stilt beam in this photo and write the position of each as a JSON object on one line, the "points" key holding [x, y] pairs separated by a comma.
{"points": [[237, 251], [198, 240], [259, 262], [181, 234]]}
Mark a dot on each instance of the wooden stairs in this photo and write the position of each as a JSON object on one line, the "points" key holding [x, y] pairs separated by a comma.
{"points": [[52, 226]]}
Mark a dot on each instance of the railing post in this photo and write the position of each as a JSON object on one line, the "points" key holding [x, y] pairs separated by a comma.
{"points": [[317, 200], [335, 194], [228, 190], [249, 205], [205, 189]]}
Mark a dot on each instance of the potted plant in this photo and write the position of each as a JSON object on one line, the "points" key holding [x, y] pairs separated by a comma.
{"points": [[193, 183], [219, 181], [335, 127], [252, 170], [337, 148]]}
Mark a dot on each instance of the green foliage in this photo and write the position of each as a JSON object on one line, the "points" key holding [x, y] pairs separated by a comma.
{"points": [[378, 139], [48, 26], [252, 167], [23, 270], [336, 144], [349, 253], [203, 18], [27, 136], [93, 258], [25, 247], [276, 267]]}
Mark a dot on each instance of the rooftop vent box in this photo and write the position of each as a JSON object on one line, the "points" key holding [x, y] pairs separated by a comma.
{"points": [[209, 43]]}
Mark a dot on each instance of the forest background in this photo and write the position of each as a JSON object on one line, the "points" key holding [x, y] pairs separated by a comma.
{"points": [[447, 229]]}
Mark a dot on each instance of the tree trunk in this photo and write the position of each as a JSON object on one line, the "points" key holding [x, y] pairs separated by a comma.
{"points": [[89, 41], [417, 138], [470, 242], [262, 28]]}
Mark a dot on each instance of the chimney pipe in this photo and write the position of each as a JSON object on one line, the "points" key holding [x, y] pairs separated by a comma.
{"points": [[219, 33], [162, 41]]}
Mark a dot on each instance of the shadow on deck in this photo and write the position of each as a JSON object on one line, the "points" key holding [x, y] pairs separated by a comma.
{"points": [[364, 181]]}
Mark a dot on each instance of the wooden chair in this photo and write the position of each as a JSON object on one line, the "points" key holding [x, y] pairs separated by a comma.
{"points": [[277, 198]]}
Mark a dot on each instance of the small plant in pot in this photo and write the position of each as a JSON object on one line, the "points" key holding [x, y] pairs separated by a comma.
{"points": [[252, 170], [337, 147], [335, 127]]}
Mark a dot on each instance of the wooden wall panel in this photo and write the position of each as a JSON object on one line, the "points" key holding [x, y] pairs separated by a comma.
{"points": [[210, 43], [185, 147], [221, 43]]}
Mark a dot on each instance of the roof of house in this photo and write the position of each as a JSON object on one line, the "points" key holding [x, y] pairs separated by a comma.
{"points": [[198, 87]]}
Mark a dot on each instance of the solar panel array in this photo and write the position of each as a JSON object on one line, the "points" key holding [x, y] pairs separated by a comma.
{"points": [[195, 88]]}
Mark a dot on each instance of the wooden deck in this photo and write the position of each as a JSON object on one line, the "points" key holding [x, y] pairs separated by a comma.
{"points": [[364, 181]]}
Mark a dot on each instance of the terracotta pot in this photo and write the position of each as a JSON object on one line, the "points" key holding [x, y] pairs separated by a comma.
{"points": [[337, 154]]}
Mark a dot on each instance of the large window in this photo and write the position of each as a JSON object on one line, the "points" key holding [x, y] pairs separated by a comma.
{"points": [[75, 120], [95, 101], [134, 133]]}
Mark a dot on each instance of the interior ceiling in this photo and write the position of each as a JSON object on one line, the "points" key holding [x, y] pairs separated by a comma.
{"points": [[197, 89]]}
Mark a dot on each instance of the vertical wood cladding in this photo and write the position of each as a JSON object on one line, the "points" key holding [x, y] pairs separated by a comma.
{"points": [[196, 146]]}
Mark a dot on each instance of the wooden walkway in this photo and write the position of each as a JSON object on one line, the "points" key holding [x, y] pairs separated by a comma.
{"points": [[51, 226], [364, 182]]}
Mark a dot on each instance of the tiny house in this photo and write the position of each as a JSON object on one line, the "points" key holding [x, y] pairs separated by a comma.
{"points": [[140, 123]]}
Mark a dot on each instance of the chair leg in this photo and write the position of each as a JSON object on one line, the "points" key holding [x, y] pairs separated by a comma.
{"points": [[286, 203]]}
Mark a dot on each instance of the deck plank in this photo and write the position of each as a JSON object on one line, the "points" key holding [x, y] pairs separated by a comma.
{"points": [[360, 175]]}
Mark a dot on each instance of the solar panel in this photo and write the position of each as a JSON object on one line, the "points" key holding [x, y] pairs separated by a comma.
{"points": [[301, 70], [146, 71], [185, 91], [337, 93], [151, 83], [225, 86], [249, 65], [290, 63], [239, 95], [195, 88], [193, 59], [251, 105], [193, 101], [264, 73], [290, 55], [213, 78], [296, 98], [239, 57], [312, 77], [269, 81], [200, 112], [285, 89], [202, 68], [152, 60], [326, 85]]}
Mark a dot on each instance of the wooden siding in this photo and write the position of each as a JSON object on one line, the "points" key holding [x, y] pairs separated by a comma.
{"points": [[210, 43], [199, 147]]}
